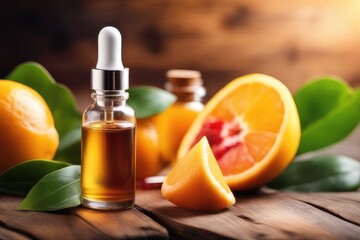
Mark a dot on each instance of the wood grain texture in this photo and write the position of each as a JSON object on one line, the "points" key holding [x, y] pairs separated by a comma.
{"points": [[9, 234], [261, 215], [264, 214], [120, 225], [342, 205], [79, 223]]}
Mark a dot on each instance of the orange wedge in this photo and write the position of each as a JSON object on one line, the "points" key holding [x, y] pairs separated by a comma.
{"points": [[196, 182], [253, 128]]}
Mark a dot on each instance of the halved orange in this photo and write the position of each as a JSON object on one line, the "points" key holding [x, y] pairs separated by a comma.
{"points": [[253, 128], [196, 182]]}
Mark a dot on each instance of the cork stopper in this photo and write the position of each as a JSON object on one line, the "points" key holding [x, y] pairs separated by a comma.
{"points": [[186, 84]]}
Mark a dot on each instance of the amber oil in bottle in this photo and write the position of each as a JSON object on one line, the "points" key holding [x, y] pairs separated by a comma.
{"points": [[109, 169]]}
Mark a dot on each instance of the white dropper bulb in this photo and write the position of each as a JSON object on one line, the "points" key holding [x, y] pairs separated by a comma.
{"points": [[109, 49]]}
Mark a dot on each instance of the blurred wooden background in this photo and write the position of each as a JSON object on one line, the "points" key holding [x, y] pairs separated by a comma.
{"points": [[293, 41]]}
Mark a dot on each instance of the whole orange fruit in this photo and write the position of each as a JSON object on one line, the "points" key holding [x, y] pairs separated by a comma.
{"points": [[27, 128], [253, 128], [147, 149]]}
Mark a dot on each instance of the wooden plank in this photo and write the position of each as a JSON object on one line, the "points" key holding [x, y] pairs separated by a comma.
{"points": [[11, 235], [40, 225], [260, 215], [79, 223], [127, 224], [342, 205]]}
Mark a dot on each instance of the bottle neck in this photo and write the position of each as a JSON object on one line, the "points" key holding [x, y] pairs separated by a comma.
{"points": [[187, 93], [188, 97], [106, 98], [187, 85]]}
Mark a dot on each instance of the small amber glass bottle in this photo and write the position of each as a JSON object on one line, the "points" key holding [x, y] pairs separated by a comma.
{"points": [[173, 123], [108, 133]]}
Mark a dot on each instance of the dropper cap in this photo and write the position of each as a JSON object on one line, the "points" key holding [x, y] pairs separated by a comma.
{"points": [[109, 73]]}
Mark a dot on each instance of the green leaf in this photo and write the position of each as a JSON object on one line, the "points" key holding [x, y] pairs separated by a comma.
{"points": [[69, 147], [320, 174], [57, 190], [329, 111], [58, 97], [148, 101], [21, 178], [319, 97]]}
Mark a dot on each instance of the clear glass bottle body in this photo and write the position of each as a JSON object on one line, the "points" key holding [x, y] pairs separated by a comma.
{"points": [[108, 152]]}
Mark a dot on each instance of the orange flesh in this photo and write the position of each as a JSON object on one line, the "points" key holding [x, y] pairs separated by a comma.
{"points": [[242, 130], [215, 171], [196, 181]]}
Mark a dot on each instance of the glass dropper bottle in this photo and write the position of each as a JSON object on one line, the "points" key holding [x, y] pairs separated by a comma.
{"points": [[173, 123], [108, 132]]}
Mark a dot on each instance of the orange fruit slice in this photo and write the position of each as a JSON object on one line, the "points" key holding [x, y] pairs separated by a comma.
{"points": [[196, 182], [253, 128]]}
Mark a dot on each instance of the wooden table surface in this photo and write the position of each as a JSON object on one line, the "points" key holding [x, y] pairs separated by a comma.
{"points": [[264, 214]]}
